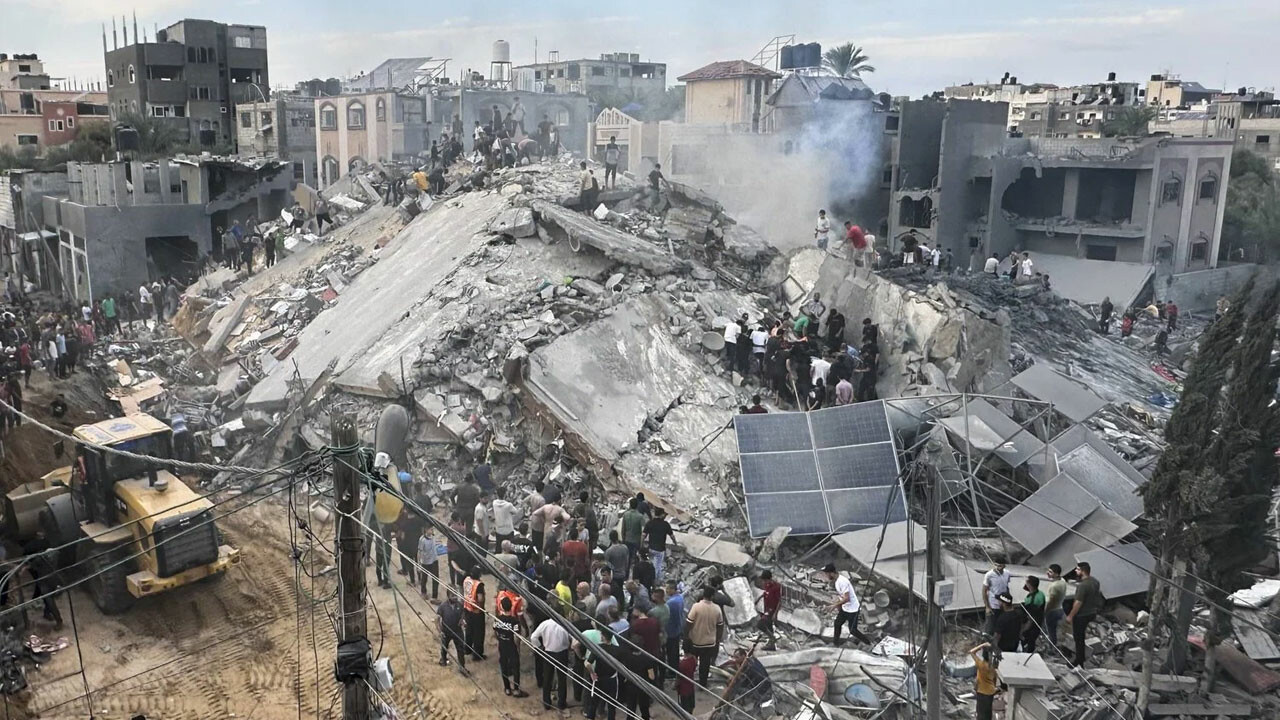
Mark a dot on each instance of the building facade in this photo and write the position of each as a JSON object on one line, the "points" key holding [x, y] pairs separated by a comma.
{"points": [[355, 130], [1048, 110], [1171, 92], [620, 72], [192, 76], [960, 181], [37, 115], [283, 128], [730, 93]]}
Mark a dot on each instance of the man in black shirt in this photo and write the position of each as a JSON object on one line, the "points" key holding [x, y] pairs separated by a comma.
{"points": [[449, 622], [1008, 630], [656, 532], [656, 179], [642, 664], [605, 695], [506, 625], [870, 331]]}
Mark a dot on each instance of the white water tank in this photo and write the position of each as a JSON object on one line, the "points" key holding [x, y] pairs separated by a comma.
{"points": [[501, 51]]}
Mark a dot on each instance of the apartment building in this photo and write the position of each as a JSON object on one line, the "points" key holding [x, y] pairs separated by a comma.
{"points": [[34, 113]]}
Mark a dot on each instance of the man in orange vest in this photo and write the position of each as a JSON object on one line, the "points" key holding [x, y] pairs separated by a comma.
{"points": [[509, 620], [473, 601]]}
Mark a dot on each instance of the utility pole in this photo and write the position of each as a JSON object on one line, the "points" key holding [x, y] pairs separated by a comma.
{"points": [[933, 558], [352, 626]]}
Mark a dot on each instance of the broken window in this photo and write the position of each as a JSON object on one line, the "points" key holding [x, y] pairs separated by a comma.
{"points": [[299, 172], [28, 139], [891, 122], [624, 72], [328, 117], [133, 77], [598, 70], [355, 115], [914, 213], [1262, 140], [1106, 195], [1035, 195], [1209, 188], [266, 118], [1171, 191], [111, 78], [246, 120], [1100, 252], [1035, 114], [1064, 116], [575, 71]]}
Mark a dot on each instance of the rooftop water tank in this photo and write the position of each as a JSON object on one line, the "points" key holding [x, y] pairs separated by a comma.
{"points": [[788, 57], [501, 51], [813, 55]]}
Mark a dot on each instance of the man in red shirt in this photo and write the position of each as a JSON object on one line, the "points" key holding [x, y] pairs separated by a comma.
{"points": [[857, 241], [576, 556], [684, 684], [770, 601], [646, 632]]}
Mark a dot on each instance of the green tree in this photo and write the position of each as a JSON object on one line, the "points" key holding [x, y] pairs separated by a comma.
{"points": [[92, 143], [1251, 219], [156, 137], [1131, 121], [846, 60]]}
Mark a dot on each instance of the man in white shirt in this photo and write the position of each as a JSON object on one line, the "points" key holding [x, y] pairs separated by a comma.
{"points": [[517, 114], [822, 231], [552, 641], [935, 256], [481, 522], [1027, 272], [504, 518], [992, 266], [759, 339], [847, 604], [994, 583], [819, 368], [731, 332], [144, 303]]}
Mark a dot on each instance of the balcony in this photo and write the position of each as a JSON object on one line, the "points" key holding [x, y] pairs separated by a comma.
{"points": [[166, 92]]}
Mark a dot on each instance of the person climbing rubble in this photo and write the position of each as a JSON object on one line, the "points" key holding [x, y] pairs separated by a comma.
{"points": [[847, 605], [822, 231]]}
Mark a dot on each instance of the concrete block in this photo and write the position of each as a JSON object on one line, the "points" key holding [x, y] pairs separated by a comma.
{"points": [[516, 222], [743, 611]]}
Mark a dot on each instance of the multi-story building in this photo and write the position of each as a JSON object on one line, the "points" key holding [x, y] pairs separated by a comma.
{"points": [[193, 74], [613, 72], [1171, 92], [35, 114], [1077, 110], [1250, 118], [960, 181], [730, 93], [284, 128], [357, 129]]}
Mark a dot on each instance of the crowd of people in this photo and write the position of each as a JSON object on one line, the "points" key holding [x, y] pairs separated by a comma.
{"points": [[613, 586]]}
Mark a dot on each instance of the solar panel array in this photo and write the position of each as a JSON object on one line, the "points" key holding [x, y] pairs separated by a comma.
{"points": [[830, 470]]}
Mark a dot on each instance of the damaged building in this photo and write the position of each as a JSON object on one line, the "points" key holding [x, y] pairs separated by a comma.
{"points": [[1123, 209]]}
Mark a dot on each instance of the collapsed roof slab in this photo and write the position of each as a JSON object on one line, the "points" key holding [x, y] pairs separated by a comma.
{"points": [[1089, 282], [609, 240], [988, 430], [354, 332], [1069, 397], [602, 382]]}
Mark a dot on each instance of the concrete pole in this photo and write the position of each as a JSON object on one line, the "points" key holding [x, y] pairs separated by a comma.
{"points": [[346, 488], [933, 651]]}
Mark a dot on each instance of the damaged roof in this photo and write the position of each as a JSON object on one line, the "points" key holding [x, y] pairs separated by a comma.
{"points": [[725, 69]]}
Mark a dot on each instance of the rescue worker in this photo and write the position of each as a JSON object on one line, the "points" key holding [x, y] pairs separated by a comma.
{"points": [[509, 620], [473, 607]]}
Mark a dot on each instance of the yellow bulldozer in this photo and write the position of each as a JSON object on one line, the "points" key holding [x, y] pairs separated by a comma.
{"points": [[130, 526]]}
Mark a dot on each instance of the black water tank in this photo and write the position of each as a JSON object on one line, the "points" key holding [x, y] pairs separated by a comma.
{"points": [[126, 138], [813, 56], [788, 57], [1111, 77]]}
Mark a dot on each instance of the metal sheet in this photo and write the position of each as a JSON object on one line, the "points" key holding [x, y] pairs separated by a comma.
{"points": [[1049, 513], [779, 472], [1121, 570], [1077, 435], [772, 432], [1068, 396], [989, 430], [1103, 480], [1101, 528], [804, 512], [856, 424]]}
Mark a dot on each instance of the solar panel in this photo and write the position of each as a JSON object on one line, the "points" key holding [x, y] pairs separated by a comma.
{"points": [[858, 466], [779, 472], [772, 432], [804, 512], [819, 472], [850, 425]]}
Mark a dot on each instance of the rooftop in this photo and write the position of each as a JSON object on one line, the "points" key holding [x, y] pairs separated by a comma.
{"points": [[724, 69]]}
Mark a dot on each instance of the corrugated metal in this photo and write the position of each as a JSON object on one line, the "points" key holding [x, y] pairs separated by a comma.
{"points": [[6, 203]]}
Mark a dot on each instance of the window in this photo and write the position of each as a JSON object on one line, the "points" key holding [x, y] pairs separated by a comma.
{"points": [[243, 42], [111, 78], [204, 93], [1262, 140], [56, 126], [1035, 114], [537, 74], [192, 93], [71, 122], [246, 119], [1171, 191], [598, 71], [1100, 252], [355, 115], [1208, 188], [1199, 250], [191, 54], [1064, 116], [213, 55], [1111, 114], [28, 139], [203, 55], [266, 118], [624, 72], [299, 172], [24, 68], [328, 117], [380, 110], [133, 77], [891, 123]]}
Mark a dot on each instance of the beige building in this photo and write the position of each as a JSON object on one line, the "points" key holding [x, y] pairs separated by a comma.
{"points": [[1171, 91], [730, 93], [355, 130], [283, 127], [35, 114]]}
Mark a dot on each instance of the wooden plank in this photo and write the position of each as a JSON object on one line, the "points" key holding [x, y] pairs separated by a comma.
{"points": [[1248, 673], [1198, 709], [1257, 643]]}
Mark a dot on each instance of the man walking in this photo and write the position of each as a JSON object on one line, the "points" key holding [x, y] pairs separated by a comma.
{"points": [[846, 603], [675, 622], [1085, 608], [656, 532], [507, 623], [1105, 311], [449, 623], [771, 601]]}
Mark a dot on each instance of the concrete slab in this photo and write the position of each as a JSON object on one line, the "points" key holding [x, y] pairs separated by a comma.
{"points": [[1025, 670], [366, 331], [1088, 282], [862, 543], [743, 611], [712, 550]]}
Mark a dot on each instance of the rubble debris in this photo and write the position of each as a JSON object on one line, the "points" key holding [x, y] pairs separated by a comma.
{"points": [[613, 243]]}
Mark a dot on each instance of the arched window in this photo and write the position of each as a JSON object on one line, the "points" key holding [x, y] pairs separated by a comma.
{"points": [[329, 169], [1208, 187], [1171, 190], [204, 124], [380, 110], [355, 115], [111, 79], [328, 117], [133, 78]]}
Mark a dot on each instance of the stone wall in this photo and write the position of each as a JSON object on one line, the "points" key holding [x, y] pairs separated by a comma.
{"points": [[1198, 291]]}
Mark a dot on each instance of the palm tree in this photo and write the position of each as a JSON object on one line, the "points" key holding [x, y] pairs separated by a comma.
{"points": [[846, 61], [1132, 121]]}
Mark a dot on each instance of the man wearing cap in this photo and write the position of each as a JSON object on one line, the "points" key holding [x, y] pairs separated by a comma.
{"points": [[1008, 628], [996, 581], [847, 603]]}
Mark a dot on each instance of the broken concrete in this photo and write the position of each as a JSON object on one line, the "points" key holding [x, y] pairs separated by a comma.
{"points": [[612, 242]]}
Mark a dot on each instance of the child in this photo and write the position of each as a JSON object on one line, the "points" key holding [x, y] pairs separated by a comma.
{"points": [[987, 680], [684, 684], [771, 600]]}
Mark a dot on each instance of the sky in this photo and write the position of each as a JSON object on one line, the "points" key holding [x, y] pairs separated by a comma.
{"points": [[916, 46]]}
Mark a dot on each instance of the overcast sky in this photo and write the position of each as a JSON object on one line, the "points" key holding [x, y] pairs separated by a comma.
{"points": [[916, 46]]}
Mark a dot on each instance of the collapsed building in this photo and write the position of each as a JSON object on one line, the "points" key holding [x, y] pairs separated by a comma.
{"points": [[580, 348]]}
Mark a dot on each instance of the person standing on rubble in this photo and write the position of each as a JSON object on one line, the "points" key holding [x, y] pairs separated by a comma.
{"points": [[1105, 311], [1171, 314], [504, 518], [481, 524], [1088, 602], [1033, 605], [1008, 628], [321, 210], [770, 602], [587, 188], [656, 181], [656, 533], [759, 342], [586, 511], [518, 115], [987, 680], [992, 266], [465, 499], [704, 627], [847, 605], [632, 529], [835, 329], [744, 347], [822, 231], [1054, 594], [612, 153], [994, 584], [731, 332]]}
